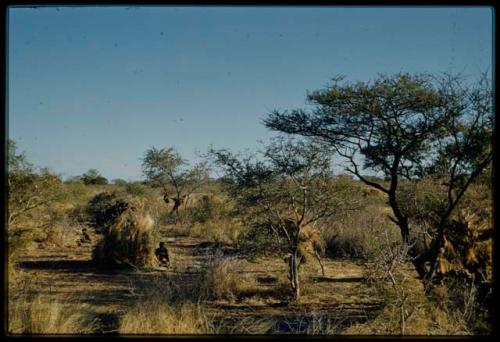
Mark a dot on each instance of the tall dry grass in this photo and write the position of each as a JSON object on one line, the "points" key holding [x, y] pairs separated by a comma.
{"points": [[359, 234], [222, 278], [163, 318], [225, 231], [167, 307], [38, 315], [212, 217]]}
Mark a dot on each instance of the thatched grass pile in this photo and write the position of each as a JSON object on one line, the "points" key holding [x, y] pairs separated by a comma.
{"points": [[468, 248], [129, 239], [102, 210], [310, 244]]}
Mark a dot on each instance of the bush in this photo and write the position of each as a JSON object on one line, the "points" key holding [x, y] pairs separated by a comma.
{"points": [[358, 234], [135, 189], [259, 240], [29, 191], [221, 278], [421, 201], [469, 305], [92, 177], [405, 308], [167, 307], [119, 182], [208, 208]]}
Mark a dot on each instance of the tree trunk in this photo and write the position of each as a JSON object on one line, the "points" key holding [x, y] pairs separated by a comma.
{"points": [[175, 209], [401, 220], [434, 252], [320, 263], [418, 260], [294, 275]]}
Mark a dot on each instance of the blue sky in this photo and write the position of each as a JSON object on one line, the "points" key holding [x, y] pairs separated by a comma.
{"points": [[94, 87]]}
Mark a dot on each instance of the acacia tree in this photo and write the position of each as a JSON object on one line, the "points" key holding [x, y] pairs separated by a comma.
{"points": [[406, 127], [166, 168], [290, 187]]}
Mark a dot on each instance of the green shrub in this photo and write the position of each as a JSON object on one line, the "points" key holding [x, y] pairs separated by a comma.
{"points": [[93, 176], [135, 189], [119, 182], [208, 208], [260, 240]]}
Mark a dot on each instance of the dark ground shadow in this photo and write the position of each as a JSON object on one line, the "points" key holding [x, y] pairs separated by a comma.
{"points": [[213, 248], [338, 280], [296, 321], [262, 293], [75, 266], [265, 280], [109, 323]]}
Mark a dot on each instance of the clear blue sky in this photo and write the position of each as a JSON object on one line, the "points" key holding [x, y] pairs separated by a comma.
{"points": [[94, 87]]}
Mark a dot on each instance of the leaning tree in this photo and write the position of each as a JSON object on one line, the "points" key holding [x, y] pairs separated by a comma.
{"points": [[406, 127], [165, 168], [287, 188]]}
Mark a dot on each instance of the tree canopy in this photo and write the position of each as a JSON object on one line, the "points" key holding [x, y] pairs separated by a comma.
{"points": [[93, 176], [166, 168], [404, 126]]}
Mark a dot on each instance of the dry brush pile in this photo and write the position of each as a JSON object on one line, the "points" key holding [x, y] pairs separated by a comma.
{"points": [[129, 239]]}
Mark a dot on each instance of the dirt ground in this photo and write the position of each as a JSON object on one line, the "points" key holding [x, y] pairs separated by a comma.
{"points": [[341, 294]]}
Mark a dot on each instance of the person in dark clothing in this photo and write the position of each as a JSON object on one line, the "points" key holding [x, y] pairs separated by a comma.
{"points": [[162, 254], [85, 236]]}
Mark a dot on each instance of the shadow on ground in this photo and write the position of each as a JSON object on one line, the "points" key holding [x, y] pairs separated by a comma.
{"points": [[75, 266], [338, 280]]}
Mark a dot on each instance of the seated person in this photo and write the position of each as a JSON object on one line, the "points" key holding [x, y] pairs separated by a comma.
{"points": [[162, 254], [85, 236]]}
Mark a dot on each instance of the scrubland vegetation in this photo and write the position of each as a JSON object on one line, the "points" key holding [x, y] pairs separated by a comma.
{"points": [[280, 244]]}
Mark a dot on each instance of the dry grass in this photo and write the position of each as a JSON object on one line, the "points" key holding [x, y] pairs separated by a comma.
{"points": [[167, 308], [311, 244], [426, 319], [31, 313], [211, 217], [42, 316], [359, 234], [161, 318], [222, 278], [225, 231]]}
